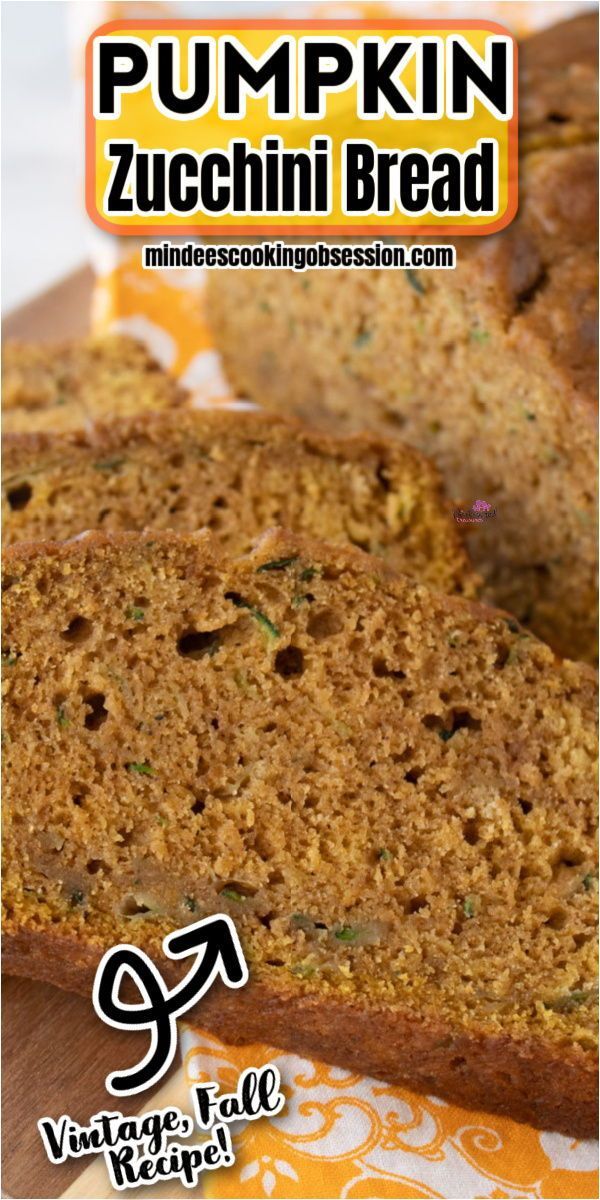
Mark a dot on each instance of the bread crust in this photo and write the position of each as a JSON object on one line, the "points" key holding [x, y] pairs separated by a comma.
{"points": [[387, 494], [21, 449], [474, 1068]]}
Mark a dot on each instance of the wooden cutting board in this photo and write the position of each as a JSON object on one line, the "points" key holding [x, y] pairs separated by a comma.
{"points": [[56, 1053]]}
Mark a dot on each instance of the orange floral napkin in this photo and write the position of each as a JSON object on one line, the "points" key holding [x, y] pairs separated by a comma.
{"points": [[341, 1135]]}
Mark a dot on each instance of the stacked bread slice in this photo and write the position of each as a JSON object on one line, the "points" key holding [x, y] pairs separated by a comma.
{"points": [[388, 789]]}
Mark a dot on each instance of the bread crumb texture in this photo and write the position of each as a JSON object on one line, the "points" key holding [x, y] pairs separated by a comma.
{"points": [[71, 385], [491, 369], [390, 791], [236, 474]]}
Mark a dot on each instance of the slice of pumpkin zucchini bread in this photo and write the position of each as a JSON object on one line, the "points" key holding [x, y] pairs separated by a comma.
{"points": [[389, 790], [70, 385], [236, 473], [491, 369]]}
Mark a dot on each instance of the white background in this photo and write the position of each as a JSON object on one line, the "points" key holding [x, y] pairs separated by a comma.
{"points": [[44, 227]]}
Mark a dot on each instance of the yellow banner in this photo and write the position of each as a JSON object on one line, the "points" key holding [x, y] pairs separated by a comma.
{"points": [[358, 127]]}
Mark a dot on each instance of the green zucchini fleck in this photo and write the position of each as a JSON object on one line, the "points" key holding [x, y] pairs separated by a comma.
{"points": [[446, 734], [469, 906], [588, 881], [135, 614], [347, 933], [479, 335], [76, 898], [190, 903], [308, 573], [303, 921], [414, 281], [62, 719], [140, 768], [384, 855], [569, 1000], [232, 894], [8, 658], [363, 338], [256, 613], [278, 564], [108, 464]]}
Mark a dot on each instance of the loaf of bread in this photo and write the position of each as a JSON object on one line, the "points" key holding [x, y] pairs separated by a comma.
{"points": [[235, 473], [389, 790], [490, 369], [70, 385]]}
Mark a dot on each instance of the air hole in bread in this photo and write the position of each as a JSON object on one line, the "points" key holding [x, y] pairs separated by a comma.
{"points": [[98, 711], [557, 919], [78, 630], [471, 832], [502, 655], [382, 671], [196, 644], [526, 297], [131, 908], [572, 858], [289, 662], [394, 418], [447, 726], [324, 624], [413, 775], [382, 478], [97, 864], [18, 497], [415, 904], [198, 806]]}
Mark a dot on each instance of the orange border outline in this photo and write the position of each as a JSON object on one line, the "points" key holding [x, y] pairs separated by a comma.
{"points": [[296, 230]]}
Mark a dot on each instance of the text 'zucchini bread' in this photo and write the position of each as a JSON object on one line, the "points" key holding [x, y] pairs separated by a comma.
{"points": [[491, 369], [389, 790], [237, 474], [71, 385]]}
